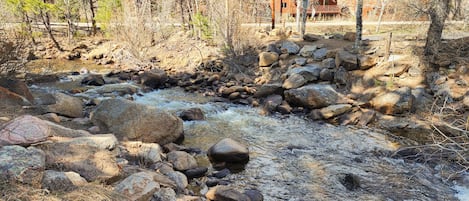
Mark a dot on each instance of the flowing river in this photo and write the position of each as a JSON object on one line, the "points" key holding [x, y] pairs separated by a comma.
{"points": [[296, 159]]}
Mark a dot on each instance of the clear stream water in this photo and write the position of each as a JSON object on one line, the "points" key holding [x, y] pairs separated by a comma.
{"points": [[296, 159]]}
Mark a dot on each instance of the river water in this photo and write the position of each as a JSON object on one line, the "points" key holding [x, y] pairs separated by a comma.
{"points": [[296, 159]]}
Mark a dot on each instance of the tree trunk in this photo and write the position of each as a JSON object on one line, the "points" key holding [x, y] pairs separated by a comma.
{"points": [[93, 20], [305, 13], [438, 14], [359, 26], [381, 12], [298, 11], [46, 22]]}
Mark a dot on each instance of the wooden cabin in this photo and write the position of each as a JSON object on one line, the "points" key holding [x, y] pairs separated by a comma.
{"points": [[322, 7]]}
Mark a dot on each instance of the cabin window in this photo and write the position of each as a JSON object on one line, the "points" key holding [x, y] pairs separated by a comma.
{"points": [[284, 4]]}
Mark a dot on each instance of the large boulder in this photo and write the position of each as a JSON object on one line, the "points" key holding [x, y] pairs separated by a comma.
{"points": [[138, 187], [229, 151], [313, 96], [395, 102], [137, 122], [65, 105], [24, 130], [93, 157], [24, 165], [267, 58]]}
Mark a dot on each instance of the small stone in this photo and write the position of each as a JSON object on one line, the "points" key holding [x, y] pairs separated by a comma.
{"points": [[164, 194], [335, 110], [192, 114], [254, 195], [196, 172]]}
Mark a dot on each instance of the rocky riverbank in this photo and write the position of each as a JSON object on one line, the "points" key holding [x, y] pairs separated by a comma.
{"points": [[91, 131]]}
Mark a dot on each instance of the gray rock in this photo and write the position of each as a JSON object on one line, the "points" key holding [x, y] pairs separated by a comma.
{"points": [[313, 96], [139, 186], [268, 89], [312, 37], [267, 58], [143, 152], [335, 110], [93, 157], [308, 50], [225, 193], [254, 195], [154, 79], [65, 105], [24, 130], [320, 54], [272, 102], [326, 75], [94, 80], [132, 121], [181, 160], [113, 89], [164, 194], [179, 179], [289, 47], [228, 150], [192, 114], [394, 102], [18, 164], [328, 63], [294, 81], [347, 60], [341, 76], [310, 72], [62, 181], [300, 61], [273, 48]]}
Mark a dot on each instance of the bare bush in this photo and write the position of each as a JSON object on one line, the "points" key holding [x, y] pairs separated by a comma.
{"points": [[449, 145]]}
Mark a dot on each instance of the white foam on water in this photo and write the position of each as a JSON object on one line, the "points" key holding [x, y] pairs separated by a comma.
{"points": [[462, 192]]}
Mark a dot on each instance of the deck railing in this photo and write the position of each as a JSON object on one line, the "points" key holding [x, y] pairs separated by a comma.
{"points": [[327, 9]]}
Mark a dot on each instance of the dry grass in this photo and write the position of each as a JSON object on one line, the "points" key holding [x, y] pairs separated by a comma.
{"points": [[92, 191]]}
